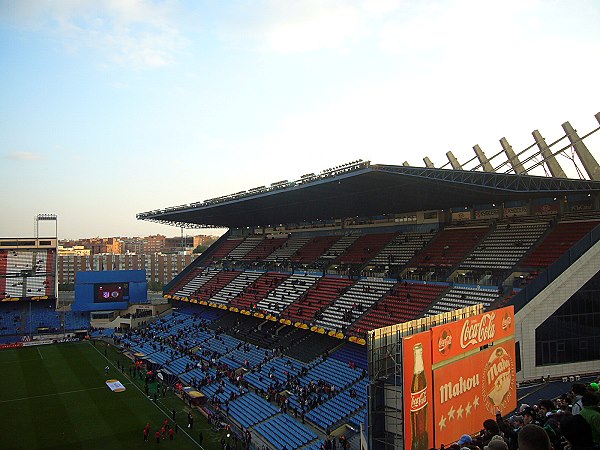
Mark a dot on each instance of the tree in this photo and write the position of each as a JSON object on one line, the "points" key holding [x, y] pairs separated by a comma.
{"points": [[200, 249]]}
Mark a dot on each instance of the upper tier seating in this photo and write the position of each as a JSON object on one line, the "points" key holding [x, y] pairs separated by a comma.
{"points": [[285, 252], [223, 250], [462, 296], [318, 297], [338, 247], [235, 287], [365, 248], [286, 293], [258, 290], [216, 283], [505, 246], [449, 247], [353, 303], [401, 249], [244, 247], [194, 284], [405, 302], [560, 239], [316, 247], [264, 249]]}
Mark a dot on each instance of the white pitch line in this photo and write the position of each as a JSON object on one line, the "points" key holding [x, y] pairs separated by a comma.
{"points": [[40, 353], [50, 395], [141, 392]]}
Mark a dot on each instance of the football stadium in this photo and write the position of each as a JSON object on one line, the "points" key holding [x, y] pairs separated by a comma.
{"points": [[367, 306]]}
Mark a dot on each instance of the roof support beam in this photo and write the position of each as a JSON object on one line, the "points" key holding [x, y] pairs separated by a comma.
{"points": [[428, 163], [513, 159], [549, 158], [587, 160], [485, 163], [453, 161]]}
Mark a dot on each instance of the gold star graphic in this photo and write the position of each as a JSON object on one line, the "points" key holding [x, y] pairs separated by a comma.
{"points": [[476, 401], [442, 423], [459, 412], [451, 413], [468, 408]]}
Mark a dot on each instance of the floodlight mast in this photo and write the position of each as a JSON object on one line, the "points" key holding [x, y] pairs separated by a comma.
{"points": [[45, 217]]}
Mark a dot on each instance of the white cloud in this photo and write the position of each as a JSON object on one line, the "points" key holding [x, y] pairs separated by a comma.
{"points": [[131, 33], [23, 156]]}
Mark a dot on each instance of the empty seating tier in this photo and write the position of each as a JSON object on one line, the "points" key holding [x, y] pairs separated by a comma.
{"points": [[316, 299], [449, 247], [401, 249], [314, 249], [560, 239], [365, 248], [258, 290], [462, 296], [505, 246], [405, 302], [264, 249]]}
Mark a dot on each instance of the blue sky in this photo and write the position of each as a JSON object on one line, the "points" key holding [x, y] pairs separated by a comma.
{"points": [[113, 107]]}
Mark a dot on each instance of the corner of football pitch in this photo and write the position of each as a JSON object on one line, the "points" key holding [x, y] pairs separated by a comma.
{"points": [[56, 397]]}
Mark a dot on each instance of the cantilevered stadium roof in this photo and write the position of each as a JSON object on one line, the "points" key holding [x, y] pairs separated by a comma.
{"points": [[362, 189]]}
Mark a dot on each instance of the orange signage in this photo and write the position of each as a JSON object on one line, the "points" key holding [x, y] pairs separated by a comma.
{"points": [[418, 400], [455, 338], [473, 389]]}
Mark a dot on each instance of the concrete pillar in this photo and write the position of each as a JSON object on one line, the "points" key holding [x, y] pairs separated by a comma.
{"points": [[405, 163], [513, 159], [453, 161], [428, 163], [587, 160], [485, 163], [597, 116], [549, 158]]}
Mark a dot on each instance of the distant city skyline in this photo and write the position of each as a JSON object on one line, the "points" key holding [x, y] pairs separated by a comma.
{"points": [[114, 108]]}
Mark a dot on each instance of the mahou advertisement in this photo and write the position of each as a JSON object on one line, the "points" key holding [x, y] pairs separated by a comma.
{"points": [[472, 389], [418, 401], [471, 385]]}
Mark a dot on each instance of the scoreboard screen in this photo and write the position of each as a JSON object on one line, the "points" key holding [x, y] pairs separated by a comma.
{"points": [[111, 292]]}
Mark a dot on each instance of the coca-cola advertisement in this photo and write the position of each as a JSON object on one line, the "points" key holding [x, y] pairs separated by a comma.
{"points": [[418, 401], [454, 338]]}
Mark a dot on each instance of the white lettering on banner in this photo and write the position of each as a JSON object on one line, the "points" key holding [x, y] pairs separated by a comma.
{"points": [[487, 213], [451, 390], [418, 400], [496, 370], [478, 332], [516, 211]]}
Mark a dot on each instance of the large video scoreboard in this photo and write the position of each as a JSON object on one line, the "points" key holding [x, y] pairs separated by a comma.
{"points": [[27, 269], [109, 290]]}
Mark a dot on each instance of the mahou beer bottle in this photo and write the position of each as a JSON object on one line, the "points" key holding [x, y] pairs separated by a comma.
{"points": [[418, 403]]}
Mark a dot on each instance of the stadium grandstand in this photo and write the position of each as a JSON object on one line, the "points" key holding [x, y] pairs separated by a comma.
{"points": [[272, 323]]}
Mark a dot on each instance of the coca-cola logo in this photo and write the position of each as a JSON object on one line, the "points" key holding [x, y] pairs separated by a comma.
{"points": [[506, 322], [477, 332], [418, 400], [445, 342]]}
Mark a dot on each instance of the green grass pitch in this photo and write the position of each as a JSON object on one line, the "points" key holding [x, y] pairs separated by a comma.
{"points": [[55, 397]]}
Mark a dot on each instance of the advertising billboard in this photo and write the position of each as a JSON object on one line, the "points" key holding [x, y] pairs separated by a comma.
{"points": [[474, 371], [418, 400]]}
